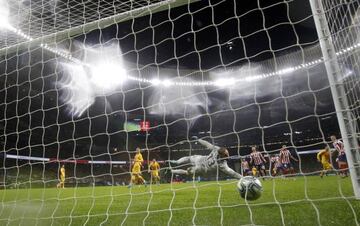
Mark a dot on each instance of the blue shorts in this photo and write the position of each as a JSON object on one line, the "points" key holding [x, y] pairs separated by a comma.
{"points": [[279, 168], [246, 171], [342, 158], [287, 165], [260, 167]]}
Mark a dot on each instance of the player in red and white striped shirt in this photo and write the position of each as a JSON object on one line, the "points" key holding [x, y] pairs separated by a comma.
{"points": [[285, 157], [258, 161], [341, 159], [276, 165]]}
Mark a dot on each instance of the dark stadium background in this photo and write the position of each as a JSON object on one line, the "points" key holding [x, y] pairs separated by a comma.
{"points": [[34, 121]]}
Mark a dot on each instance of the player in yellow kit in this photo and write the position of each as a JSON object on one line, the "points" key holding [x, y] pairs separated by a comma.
{"points": [[61, 184], [138, 156], [324, 157], [154, 168], [136, 177], [254, 171]]}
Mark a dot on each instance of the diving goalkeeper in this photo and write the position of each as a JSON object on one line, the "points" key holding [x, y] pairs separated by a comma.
{"points": [[201, 164]]}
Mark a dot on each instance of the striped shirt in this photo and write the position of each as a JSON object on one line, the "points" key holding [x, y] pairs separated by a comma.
{"points": [[257, 158], [339, 146], [285, 156]]}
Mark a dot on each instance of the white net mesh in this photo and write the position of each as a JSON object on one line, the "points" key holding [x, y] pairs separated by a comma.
{"points": [[86, 82]]}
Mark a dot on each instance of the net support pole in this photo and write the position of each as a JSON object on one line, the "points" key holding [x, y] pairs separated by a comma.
{"points": [[343, 112]]}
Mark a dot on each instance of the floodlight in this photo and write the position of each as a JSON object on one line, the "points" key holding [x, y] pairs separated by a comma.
{"points": [[107, 75]]}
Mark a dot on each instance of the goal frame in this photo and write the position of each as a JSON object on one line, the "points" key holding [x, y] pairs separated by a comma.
{"points": [[333, 71]]}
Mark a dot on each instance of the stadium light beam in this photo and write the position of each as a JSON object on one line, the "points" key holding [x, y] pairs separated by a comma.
{"points": [[155, 82], [4, 23], [108, 76], [167, 83], [225, 82], [4, 15]]}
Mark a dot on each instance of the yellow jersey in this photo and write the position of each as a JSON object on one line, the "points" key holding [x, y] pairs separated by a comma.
{"points": [[62, 171], [62, 174], [154, 166], [139, 158], [324, 156], [136, 169]]}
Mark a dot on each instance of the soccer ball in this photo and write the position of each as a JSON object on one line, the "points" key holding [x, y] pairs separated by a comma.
{"points": [[250, 188]]}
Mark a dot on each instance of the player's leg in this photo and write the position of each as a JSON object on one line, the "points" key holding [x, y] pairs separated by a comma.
{"points": [[292, 171], [181, 161], [136, 180], [132, 180], [343, 168], [141, 180], [157, 177], [274, 171], [157, 180], [180, 171], [62, 182], [188, 171], [323, 171], [340, 166], [152, 178], [330, 168], [263, 174], [277, 170], [286, 169], [326, 167], [262, 170]]}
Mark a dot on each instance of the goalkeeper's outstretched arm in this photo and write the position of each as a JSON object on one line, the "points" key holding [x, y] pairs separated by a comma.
{"points": [[207, 144], [228, 171]]}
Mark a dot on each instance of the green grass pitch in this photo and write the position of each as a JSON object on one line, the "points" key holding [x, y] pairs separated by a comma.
{"points": [[304, 201]]}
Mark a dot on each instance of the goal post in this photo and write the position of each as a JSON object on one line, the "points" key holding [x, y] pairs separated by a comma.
{"points": [[343, 111]]}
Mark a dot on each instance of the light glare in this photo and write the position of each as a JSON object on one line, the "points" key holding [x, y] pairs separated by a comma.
{"points": [[155, 82], [4, 15], [107, 75], [167, 83], [225, 82]]}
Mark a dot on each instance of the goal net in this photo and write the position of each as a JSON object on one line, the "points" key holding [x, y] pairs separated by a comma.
{"points": [[87, 85]]}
